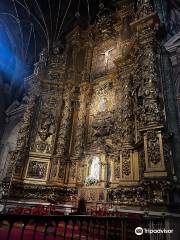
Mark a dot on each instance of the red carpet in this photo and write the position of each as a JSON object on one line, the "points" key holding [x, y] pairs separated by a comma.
{"points": [[98, 232]]}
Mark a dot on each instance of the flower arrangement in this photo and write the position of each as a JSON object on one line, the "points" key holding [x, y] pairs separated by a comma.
{"points": [[90, 181]]}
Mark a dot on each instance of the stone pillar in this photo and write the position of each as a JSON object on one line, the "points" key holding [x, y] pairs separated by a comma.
{"points": [[62, 146]]}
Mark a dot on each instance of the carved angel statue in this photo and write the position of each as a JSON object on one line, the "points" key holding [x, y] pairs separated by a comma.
{"points": [[46, 126]]}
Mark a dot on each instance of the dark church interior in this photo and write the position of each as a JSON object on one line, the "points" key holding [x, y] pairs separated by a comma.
{"points": [[90, 119]]}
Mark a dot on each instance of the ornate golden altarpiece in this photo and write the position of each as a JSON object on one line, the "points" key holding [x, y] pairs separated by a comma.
{"points": [[95, 124]]}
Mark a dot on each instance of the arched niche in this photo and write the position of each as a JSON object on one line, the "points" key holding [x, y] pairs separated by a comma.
{"points": [[96, 167], [93, 169]]}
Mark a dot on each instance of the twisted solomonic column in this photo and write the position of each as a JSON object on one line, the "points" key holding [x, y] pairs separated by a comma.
{"points": [[63, 138], [152, 126], [79, 139]]}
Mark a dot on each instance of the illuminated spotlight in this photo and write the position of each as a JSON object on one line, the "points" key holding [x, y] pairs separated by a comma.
{"points": [[10, 65]]}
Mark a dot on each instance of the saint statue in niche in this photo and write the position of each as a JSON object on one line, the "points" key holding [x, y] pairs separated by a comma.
{"points": [[95, 168], [46, 125], [102, 104], [37, 170]]}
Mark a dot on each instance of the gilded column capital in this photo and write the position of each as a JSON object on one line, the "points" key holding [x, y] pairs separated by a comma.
{"points": [[69, 89], [85, 88], [69, 85], [149, 21]]}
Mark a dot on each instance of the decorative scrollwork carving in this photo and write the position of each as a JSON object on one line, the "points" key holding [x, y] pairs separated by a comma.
{"points": [[126, 163], [61, 170], [153, 147], [44, 132], [47, 121], [117, 168], [104, 27], [144, 8]]}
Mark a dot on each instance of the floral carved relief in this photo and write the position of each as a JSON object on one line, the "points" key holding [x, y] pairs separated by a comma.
{"points": [[153, 147], [126, 163]]}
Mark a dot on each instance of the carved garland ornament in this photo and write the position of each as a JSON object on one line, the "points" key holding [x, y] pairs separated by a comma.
{"points": [[126, 163]]}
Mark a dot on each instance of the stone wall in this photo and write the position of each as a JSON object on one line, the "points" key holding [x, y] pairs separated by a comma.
{"points": [[9, 137]]}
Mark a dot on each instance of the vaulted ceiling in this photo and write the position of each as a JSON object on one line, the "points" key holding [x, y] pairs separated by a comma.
{"points": [[27, 26]]}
